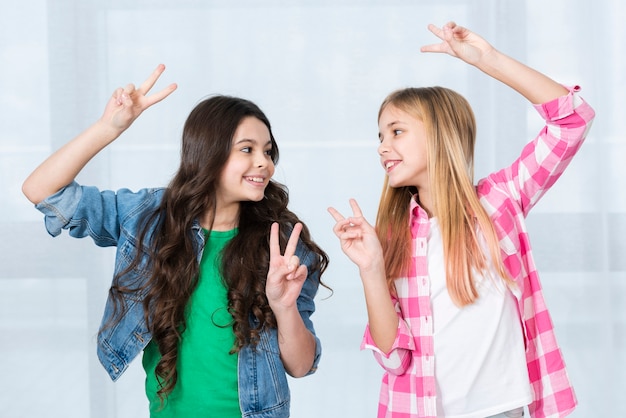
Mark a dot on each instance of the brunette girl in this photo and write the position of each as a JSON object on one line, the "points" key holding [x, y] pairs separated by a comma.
{"points": [[214, 276]]}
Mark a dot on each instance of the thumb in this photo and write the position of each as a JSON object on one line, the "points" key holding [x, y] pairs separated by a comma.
{"points": [[293, 263]]}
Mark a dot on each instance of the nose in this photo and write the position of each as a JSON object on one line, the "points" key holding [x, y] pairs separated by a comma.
{"points": [[382, 148], [261, 159]]}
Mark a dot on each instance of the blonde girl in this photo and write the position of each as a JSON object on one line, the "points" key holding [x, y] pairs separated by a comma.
{"points": [[456, 315]]}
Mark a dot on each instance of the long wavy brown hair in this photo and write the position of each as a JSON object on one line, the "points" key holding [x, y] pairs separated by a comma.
{"points": [[172, 273], [451, 131]]}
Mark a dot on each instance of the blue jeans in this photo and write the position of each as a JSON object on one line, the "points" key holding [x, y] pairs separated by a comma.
{"points": [[514, 413]]}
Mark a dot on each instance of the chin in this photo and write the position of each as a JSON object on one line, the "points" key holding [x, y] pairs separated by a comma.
{"points": [[395, 184], [257, 198]]}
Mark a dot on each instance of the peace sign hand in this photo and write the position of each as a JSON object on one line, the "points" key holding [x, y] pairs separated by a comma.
{"points": [[459, 42], [358, 238], [126, 104], [285, 276]]}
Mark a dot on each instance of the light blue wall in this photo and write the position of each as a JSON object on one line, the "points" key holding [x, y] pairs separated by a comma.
{"points": [[319, 70]]}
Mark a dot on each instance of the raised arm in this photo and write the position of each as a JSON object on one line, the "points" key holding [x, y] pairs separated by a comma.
{"points": [[464, 44], [124, 106]]}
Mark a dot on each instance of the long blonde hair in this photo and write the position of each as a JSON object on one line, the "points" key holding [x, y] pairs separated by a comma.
{"points": [[451, 131]]}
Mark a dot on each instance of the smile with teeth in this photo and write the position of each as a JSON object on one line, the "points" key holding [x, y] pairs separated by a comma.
{"points": [[255, 179], [390, 164]]}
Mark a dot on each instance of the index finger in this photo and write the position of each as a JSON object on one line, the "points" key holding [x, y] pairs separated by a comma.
{"points": [[435, 30], [293, 240], [149, 83], [356, 210], [152, 79], [335, 214]]}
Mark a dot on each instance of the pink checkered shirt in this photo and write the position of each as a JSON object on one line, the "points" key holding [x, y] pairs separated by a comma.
{"points": [[408, 386]]}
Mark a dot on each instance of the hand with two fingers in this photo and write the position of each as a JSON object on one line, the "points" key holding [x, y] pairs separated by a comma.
{"points": [[459, 42], [126, 104], [286, 275], [358, 238]]}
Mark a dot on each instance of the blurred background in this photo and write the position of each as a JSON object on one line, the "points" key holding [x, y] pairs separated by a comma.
{"points": [[319, 70]]}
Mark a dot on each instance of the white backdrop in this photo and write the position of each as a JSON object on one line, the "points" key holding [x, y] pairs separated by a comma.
{"points": [[319, 70]]}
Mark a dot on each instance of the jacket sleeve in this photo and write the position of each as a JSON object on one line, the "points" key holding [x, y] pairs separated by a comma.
{"points": [[305, 302], [87, 211]]}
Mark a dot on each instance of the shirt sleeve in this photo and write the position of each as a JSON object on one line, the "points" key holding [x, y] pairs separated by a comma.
{"points": [[398, 360], [543, 160]]}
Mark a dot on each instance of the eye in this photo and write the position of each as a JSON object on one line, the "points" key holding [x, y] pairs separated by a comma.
{"points": [[397, 132], [268, 152], [246, 149]]}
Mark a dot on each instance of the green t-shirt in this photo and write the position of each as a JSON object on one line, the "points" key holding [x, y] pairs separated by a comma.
{"points": [[207, 372]]}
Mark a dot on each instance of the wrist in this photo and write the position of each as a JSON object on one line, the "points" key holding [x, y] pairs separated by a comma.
{"points": [[284, 311], [373, 271], [107, 131], [490, 61]]}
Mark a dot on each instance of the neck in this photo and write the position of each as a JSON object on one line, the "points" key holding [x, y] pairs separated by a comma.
{"points": [[225, 219], [423, 198]]}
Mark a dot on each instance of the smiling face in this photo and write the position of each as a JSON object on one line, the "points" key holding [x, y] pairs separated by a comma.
{"points": [[249, 167], [403, 148]]}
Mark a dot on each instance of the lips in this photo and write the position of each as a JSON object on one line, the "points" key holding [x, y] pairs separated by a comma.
{"points": [[255, 179]]}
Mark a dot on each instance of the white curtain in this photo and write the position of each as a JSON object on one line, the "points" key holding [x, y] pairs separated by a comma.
{"points": [[319, 70]]}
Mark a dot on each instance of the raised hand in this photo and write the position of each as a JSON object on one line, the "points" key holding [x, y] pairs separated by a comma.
{"points": [[126, 104], [285, 276], [360, 243], [464, 44], [459, 42], [358, 238]]}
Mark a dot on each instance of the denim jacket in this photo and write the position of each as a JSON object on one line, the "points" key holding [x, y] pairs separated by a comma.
{"points": [[112, 219]]}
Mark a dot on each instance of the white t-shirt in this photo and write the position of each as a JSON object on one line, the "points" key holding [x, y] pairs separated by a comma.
{"points": [[480, 365]]}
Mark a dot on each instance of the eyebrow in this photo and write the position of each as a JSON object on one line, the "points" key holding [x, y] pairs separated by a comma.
{"points": [[254, 141], [395, 122]]}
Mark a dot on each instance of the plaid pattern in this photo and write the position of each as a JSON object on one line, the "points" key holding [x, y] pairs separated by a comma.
{"points": [[408, 386]]}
